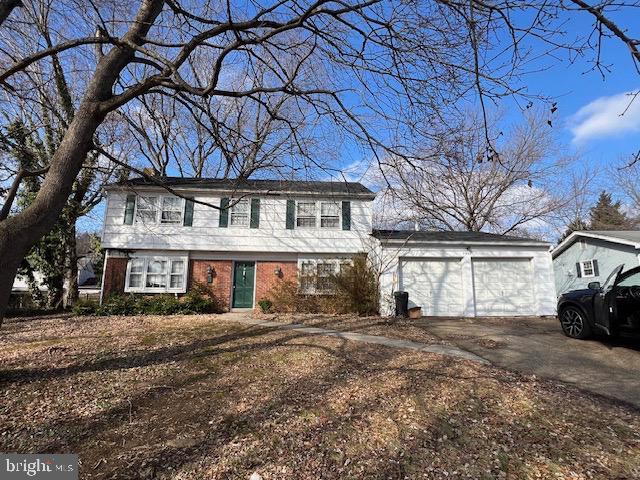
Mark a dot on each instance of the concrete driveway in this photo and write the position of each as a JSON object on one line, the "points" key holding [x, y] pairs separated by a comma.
{"points": [[538, 346]]}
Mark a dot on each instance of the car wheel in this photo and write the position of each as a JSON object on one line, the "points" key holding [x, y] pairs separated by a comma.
{"points": [[574, 323]]}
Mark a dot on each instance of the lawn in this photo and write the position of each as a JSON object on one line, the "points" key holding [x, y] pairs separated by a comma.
{"points": [[200, 398]]}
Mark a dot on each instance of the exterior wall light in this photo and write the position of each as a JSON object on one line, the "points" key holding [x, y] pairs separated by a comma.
{"points": [[277, 272], [210, 272]]}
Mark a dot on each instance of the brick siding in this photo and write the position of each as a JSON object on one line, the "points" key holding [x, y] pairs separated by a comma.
{"points": [[266, 279], [220, 288]]}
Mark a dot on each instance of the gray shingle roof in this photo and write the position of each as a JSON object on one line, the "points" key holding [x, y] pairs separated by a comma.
{"points": [[626, 235], [462, 237], [275, 186]]}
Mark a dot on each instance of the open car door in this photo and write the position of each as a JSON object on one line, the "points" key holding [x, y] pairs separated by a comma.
{"points": [[604, 301]]}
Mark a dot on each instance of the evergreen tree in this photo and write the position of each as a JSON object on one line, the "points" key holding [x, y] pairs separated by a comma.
{"points": [[607, 215]]}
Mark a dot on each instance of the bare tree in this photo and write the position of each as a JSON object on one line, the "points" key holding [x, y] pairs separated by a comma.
{"points": [[387, 66], [451, 187], [626, 177]]}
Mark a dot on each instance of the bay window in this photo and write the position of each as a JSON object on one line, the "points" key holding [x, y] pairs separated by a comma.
{"points": [[156, 275]]}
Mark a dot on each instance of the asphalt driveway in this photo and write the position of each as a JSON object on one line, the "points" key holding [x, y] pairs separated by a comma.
{"points": [[537, 346]]}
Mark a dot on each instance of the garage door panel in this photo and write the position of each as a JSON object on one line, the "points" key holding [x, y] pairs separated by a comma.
{"points": [[503, 286], [435, 285]]}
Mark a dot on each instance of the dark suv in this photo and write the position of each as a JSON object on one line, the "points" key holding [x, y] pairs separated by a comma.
{"points": [[611, 309]]}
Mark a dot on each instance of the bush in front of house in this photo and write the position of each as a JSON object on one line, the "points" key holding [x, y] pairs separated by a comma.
{"points": [[353, 290], [194, 302], [265, 305]]}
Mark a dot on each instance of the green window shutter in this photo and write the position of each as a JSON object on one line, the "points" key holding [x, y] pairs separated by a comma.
{"points": [[129, 209], [596, 270], [346, 215], [224, 212], [291, 214], [188, 212], [578, 270], [255, 213]]}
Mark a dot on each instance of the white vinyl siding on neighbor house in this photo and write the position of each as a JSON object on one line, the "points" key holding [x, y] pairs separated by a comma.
{"points": [[156, 274], [272, 235]]}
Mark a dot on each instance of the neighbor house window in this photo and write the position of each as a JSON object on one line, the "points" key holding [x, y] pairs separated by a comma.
{"points": [[306, 214], [329, 214], [147, 209], [156, 274], [587, 268], [240, 213], [171, 210]]}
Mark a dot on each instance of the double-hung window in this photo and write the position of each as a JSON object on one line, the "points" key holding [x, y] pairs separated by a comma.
{"points": [[171, 210], [147, 210], [588, 269], [325, 270], [156, 275], [329, 214], [306, 214], [240, 213]]}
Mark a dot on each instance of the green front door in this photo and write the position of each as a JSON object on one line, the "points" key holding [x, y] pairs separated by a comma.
{"points": [[243, 274]]}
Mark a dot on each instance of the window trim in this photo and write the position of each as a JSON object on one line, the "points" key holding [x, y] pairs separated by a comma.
{"points": [[337, 264], [318, 214], [315, 214], [582, 269], [234, 204], [145, 265], [159, 204]]}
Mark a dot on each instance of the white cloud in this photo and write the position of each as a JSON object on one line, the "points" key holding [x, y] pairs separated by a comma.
{"points": [[604, 117]]}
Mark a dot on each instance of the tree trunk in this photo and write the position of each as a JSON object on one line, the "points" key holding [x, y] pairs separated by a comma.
{"points": [[20, 232], [71, 296]]}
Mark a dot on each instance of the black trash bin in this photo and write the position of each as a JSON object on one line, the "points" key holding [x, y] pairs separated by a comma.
{"points": [[402, 304]]}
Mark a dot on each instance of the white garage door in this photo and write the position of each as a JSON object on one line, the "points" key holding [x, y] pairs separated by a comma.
{"points": [[503, 287], [435, 285]]}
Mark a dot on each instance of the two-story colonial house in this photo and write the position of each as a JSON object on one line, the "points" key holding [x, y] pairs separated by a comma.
{"points": [[240, 238], [262, 232]]}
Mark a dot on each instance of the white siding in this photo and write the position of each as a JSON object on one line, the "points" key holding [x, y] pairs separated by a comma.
{"points": [[542, 290], [206, 235]]}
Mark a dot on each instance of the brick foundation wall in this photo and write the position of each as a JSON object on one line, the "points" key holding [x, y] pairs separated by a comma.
{"points": [[113, 279], [266, 279], [222, 278]]}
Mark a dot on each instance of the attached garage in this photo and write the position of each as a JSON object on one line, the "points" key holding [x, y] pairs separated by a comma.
{"points": [[436, 285], [467, 274], [503, 287]]}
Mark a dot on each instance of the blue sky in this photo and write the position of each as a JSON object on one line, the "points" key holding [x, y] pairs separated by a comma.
{"points": [[588, 120]]}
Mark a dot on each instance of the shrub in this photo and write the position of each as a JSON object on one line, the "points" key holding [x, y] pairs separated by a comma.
{"points": [[265, 305], [86, 307], [356, 288], [196, 300]]}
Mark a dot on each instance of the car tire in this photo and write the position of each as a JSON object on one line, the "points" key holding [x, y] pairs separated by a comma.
{"points": [[574, 323]]}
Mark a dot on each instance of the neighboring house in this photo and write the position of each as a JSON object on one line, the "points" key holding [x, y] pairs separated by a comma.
{"points": [[590, 256], [467, 273], [267, 231]]}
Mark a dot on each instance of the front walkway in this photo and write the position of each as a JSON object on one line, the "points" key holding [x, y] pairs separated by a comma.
{"points": [[246, 319]]}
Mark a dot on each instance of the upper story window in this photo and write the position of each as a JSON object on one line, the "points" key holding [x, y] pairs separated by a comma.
{"points": [[156, 274], [154, 209], [310, 214], [240, 213], [306, 214], [171, 210], [329, 214], [147, 209]]}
